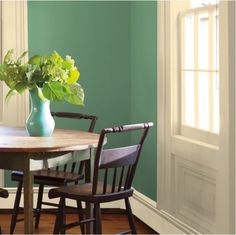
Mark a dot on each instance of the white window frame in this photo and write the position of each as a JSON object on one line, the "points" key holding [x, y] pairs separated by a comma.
{"points": [[196, 134]]}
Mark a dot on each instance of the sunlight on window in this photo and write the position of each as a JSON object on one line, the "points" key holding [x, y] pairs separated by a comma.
{"points": [[189, 102], [200, 67], [203, 100], [201, 3], [189, 42], [203, 48], [216, 40]]}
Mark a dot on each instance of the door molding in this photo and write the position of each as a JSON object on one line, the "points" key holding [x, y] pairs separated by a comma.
{"points": [[14, 25], [227, 123], [14, 34], [161, 86]]}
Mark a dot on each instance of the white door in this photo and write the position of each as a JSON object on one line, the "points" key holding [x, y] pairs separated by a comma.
{"points": [[196, 113]]}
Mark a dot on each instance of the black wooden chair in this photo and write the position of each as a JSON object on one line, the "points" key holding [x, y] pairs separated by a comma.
{"points": [[115, 165], [3, 193], [51, 177]]}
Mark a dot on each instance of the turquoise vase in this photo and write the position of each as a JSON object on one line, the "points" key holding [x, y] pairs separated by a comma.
{"points": [[40, 121]]}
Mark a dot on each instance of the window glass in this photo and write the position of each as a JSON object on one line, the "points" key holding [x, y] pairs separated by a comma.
{"points": [[189, 42], [199, 52], [203, 100], [203, 48], [189, 100]]}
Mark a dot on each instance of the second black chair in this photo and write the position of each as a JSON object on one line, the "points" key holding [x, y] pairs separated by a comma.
{"points": [[51, 177], [114, 170]]}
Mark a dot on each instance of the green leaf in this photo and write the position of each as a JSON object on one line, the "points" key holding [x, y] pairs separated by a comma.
{"points": [[77, 95], [21, 87], [66, 89], [11, 83], [8, 59], [53, 91], [19, 60], [47, 92], [74, 99], [67, 65], [29, 71], [74, 76], [35, 60], [3, 74], [10, 93]]}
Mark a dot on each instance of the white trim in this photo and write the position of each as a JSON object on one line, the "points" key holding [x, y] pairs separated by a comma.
{"points": [[143, 207], [161, 103], [162, 222], [227, 121], [15, 35], [204, 136]]}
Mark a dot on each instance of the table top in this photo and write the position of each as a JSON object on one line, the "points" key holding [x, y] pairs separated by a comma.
{"points": [[14, 139]]}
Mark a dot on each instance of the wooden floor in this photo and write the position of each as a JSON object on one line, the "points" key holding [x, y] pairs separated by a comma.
{"points": [[112, 223]]}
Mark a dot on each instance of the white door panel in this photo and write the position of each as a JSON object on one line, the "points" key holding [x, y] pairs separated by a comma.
{"points": [[196, 174]]}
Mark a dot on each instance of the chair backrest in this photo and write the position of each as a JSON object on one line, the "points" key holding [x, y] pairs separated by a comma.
{"points": [[91, 118], [70, 115], [117, 165]]}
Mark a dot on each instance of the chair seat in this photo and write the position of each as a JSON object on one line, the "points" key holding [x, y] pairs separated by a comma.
{"points": [[83, 192], [49, 177], [4, 193]]}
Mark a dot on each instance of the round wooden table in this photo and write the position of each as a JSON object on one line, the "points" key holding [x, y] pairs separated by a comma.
{"points": [[18, 151]]}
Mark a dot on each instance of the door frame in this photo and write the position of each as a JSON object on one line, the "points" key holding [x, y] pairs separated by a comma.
{"points": [[227, 111]]}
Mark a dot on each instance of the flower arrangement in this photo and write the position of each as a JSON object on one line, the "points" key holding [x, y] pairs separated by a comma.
{"points": [[54, 77]]}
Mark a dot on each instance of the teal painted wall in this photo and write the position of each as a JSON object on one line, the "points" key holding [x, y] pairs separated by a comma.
{"points": [[95, 35], [143, 64], [114, 46]]}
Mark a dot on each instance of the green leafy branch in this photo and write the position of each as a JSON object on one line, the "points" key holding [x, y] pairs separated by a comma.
{"points": [[54, 77]]}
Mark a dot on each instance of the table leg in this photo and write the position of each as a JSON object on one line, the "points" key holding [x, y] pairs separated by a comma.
{"points": [[28, 199], [88, 206]]}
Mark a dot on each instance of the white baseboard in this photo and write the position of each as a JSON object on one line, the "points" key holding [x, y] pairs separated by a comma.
{"points": [[146, 210], [143, 207]]}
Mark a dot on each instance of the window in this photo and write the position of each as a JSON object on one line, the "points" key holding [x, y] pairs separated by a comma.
{"points": [[199, 70]]}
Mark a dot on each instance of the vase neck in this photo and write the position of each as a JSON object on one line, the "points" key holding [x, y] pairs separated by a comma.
{"points": [[36, 100]]}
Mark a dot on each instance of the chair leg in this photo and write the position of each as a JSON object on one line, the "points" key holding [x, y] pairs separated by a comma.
{"points": [[98, 219], [60, 218], [16, 207], [39, 205], [80, 215], [130, 216]]}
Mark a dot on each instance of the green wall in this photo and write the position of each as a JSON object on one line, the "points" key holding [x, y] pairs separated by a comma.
{"points": [[95, 35], [101, 37], [143, 64]]}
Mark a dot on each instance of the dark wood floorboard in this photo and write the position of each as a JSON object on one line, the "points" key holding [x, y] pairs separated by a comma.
{"points": [[112, 223]]}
